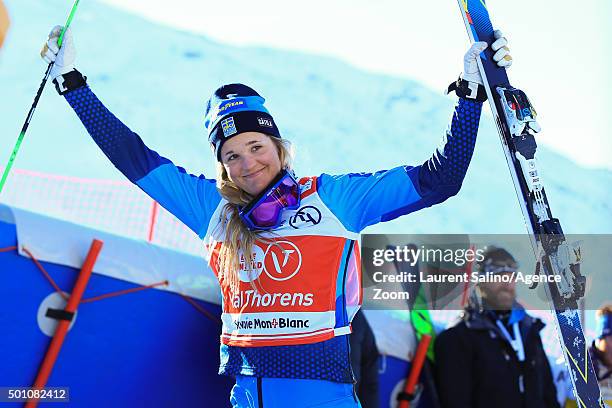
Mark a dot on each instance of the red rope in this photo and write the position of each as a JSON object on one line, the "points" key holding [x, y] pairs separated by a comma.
{"points": [[124, 292], [112, 294], [57, 289], [201, 309]]}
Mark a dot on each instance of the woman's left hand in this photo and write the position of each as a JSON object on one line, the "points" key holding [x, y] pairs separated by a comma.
{"points": [[502, 57], [502, 52]]}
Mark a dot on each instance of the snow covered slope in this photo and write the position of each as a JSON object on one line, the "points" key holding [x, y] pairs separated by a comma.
{"points": [[341, 119]]}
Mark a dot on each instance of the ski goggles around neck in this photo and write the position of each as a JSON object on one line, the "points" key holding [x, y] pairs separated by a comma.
{"points": [[264, 211]]}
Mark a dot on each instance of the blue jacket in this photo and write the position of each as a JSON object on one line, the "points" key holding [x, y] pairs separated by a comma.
{"points": [[357, 200]]}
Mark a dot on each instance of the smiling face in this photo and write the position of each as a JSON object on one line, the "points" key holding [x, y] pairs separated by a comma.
{"points": [[251, 160]]}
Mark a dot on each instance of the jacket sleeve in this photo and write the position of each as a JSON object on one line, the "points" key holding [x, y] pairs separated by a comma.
{"points": [[363, 199], [191, 199], [453, 369]]}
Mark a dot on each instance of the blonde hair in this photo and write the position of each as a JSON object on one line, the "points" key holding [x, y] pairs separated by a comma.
{"points": [[237, 237]]}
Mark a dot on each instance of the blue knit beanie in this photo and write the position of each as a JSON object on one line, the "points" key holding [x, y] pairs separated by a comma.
{"points": [[234, 109]]}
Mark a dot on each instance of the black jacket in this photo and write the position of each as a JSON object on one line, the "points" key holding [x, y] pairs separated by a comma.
{"points": [[477, 367], [364, 359]]}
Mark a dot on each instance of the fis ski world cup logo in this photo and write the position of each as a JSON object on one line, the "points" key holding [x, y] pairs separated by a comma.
{"points": [[255, 265], [282, 260], [228, 126]]}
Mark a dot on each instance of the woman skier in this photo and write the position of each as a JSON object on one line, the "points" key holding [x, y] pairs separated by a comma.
{"points": [[284, 249]]}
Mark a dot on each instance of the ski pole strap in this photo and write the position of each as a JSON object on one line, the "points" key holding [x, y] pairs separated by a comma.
{"points": [[69, 82], [468, 90], [59, 314]]}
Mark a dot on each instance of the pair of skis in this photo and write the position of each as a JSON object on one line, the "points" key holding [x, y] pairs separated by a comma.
{"points": [[516, 122]]}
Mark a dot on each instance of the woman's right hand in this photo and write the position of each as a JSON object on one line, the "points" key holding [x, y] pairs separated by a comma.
{"points": [[63, 57]]}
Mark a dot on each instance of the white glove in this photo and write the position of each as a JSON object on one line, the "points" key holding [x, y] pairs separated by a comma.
{"points": [[502, 57], [502, 52], [63, 57]]}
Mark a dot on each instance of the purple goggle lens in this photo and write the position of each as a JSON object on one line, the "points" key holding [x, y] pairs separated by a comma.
{"points": [[265, 211]]}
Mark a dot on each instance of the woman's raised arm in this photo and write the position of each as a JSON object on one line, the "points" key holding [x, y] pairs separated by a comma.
{"points": [[191, 199], [363, 199]]}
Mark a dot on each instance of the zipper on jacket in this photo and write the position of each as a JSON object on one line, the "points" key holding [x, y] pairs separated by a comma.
{"points": [[259, 393], [345, 314]]}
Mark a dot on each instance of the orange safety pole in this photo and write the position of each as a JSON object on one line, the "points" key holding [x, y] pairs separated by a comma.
{"points": [[466, 286], [415, 371], [153, 221], [62, 328]]}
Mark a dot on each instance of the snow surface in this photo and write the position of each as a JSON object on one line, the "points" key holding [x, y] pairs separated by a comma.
{"points": [[341, 119]]}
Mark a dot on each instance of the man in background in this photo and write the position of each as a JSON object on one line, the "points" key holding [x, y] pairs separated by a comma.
{"points": [[494, 356], [364, 360], [601, 351]]}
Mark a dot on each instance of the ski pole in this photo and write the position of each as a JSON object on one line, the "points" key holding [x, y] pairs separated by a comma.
{"points": [[404, 398], [8, 167]]}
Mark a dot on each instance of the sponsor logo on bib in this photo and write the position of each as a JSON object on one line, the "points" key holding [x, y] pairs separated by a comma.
{"points": [[282, 260], [255, 265], [305, 217]]}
